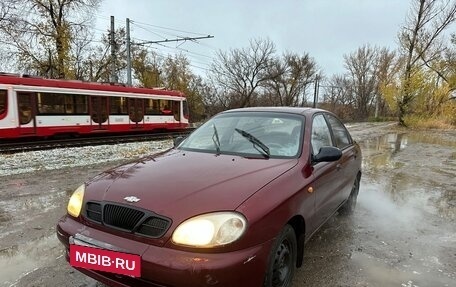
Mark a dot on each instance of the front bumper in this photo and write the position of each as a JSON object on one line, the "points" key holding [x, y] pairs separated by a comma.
{"points": [[162, 266]]}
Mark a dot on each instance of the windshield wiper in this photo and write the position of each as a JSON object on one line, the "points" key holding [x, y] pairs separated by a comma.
{"points": [[216, 140], [256, 142]]}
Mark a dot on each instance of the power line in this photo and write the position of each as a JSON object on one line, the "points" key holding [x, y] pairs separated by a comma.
{"points": [[175, 40], [171, 29]]}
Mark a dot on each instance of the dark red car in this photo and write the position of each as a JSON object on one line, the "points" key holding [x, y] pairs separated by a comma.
{"points": [[231, 205]]}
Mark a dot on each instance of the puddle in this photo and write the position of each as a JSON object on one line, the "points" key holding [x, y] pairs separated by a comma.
{"points": [[408, 199], [381, 273], [16, 262], [413, 170]]}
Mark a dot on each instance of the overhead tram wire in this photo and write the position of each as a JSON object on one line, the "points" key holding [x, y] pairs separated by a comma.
{"points": [[134, 23], [171, 29], [165, 56], [187, 51], [147, 30]]}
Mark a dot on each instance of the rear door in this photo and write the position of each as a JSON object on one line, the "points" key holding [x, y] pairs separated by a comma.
{"points": [[26, 103], [348, 161]]}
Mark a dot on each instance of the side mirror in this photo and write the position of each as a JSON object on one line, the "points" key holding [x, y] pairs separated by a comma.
{"points": [[328, 153], [178, 140]]}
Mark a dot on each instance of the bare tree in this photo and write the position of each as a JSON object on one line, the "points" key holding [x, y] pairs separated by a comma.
{"points": [[241, 72], [362, 71], [42, 33], [289, 78], [388, 68], [425, 24]]}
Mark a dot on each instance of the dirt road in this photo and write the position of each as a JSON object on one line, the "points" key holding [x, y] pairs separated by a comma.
{"points": [[402, 233]]}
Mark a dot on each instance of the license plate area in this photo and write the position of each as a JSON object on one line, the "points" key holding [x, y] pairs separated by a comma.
{"points": [[105, 260]]}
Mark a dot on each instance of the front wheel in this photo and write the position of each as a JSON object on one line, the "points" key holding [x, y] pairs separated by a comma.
{"points": [[350, 205], [282, 259]]}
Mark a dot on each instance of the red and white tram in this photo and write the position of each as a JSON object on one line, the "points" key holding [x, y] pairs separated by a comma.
{"points": [[44, 107]]}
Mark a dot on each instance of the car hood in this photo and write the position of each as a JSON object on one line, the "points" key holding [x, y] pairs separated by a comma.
{"points": [[179, 184]]}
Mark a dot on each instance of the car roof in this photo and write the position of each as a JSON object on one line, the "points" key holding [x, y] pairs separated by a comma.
{"points": [[292, 110]]}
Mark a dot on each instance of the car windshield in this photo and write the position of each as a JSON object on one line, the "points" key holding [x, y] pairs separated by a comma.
{"points": [[249, 134]]}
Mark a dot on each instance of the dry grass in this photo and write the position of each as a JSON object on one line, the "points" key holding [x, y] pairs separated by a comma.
{"points": [[420, 122]]}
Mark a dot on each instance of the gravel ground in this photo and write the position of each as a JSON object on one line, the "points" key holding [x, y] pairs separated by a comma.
{"points": [[26, 162]]}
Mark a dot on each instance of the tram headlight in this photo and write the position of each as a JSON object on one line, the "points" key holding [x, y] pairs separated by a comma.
{"points": [[75, 203]]}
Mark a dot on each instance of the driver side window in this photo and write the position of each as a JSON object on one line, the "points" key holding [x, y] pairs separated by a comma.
{"points": [[321, 135]]}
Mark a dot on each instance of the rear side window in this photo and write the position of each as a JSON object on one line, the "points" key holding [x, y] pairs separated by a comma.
{"points": [[341, 137], [2, 103]]}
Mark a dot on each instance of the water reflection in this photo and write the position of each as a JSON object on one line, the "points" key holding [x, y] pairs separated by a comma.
{"points": [[16, 260], [414, 169]]}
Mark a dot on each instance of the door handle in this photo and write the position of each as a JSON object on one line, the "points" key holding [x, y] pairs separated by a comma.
{"points": [[338, 166]]}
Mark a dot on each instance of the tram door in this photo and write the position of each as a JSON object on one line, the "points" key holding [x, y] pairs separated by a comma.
{"points": [[26, 104], [99, 112], [136, 113]]}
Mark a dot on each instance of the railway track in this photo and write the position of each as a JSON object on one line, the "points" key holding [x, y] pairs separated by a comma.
{"points": [[38, 144]]}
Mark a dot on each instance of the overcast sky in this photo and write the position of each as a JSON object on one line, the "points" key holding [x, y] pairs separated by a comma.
{"points": [[326, 29]]}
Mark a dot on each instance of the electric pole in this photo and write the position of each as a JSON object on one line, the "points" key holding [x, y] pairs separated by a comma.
{"points": [[128, 53], [316, 91], [113, 53]]}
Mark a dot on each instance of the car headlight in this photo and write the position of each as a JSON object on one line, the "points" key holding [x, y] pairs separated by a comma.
{"points": [[210, 230], [75, 203]]}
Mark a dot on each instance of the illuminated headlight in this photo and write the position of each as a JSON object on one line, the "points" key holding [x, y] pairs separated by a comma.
{"points": [[210, 230], [75, 203]]}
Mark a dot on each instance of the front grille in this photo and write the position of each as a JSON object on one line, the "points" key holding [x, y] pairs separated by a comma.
{"points": [[154, 227], [121, 216], [127, 218], [94, 211]]}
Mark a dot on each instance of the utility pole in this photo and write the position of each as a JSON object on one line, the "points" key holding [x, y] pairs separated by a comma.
{"points": [[113, 52], [128, 53], [316, 91]]}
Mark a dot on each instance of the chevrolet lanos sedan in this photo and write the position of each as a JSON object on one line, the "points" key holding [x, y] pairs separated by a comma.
{"points": [[233, 204]]}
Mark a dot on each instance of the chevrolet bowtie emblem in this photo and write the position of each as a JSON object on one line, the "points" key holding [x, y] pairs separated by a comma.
{"points": [[132, 199]]}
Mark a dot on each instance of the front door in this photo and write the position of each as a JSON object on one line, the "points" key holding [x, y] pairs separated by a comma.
{"points": [[327, 174], [136, 113], [26, 110], [99, 112]]}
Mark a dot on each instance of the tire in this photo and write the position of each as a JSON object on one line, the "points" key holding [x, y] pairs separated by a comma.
{"points": [[350, 205], [282, 260]]}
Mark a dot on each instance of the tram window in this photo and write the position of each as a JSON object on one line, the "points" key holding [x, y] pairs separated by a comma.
{"points": [[185, 107], [118, 106], [81, 104], [58, 104], [165, 107], [2, 103], [152, 107], [51, 103], [176, 110], [69, 104], [25, 102]]}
